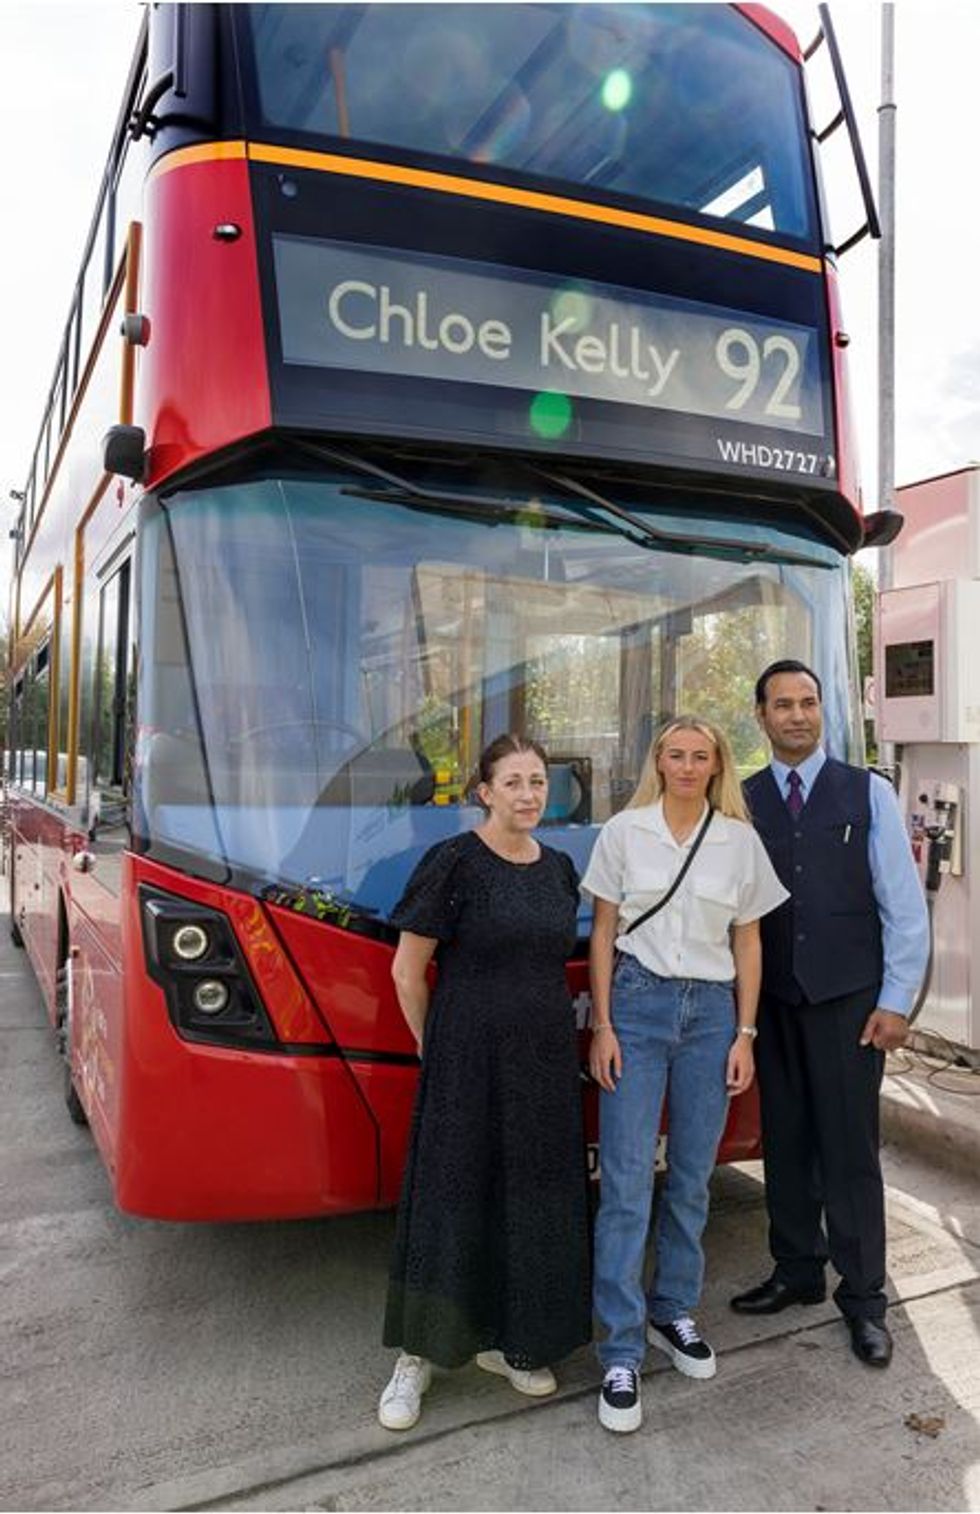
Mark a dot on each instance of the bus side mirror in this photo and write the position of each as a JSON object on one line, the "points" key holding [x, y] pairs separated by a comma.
{"points": [[881, 528], [124, 451]]}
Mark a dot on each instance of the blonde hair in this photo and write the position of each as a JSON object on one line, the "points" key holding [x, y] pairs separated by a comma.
{"points": [[724, 790]]}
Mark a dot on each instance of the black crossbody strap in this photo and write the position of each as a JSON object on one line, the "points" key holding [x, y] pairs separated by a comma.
{"points": [[656, 908]]}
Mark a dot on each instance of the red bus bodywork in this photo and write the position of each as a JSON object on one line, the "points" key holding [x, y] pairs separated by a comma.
{"points": [[188, 1130]]}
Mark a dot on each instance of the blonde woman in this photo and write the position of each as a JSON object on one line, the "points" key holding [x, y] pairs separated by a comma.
{"points": [[679, 881]]}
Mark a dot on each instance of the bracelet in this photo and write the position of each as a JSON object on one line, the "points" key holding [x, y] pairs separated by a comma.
{"points": [[602, 1025], [748, 1030]]}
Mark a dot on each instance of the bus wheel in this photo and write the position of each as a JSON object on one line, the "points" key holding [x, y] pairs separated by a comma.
{"points": [[16, 934], [74, 1105], [63, 993]]}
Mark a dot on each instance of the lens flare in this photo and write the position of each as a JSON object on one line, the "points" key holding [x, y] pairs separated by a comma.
{"points": [[617, 89], [572, 305], [550, 414]]}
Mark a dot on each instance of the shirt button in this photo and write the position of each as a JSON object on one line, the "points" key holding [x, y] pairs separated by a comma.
{"points": [[801, 936], [799, 867], [798, 835]]}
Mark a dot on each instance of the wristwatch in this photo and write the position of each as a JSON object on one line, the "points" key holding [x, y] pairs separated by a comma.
{"points": [[748, 1030]]}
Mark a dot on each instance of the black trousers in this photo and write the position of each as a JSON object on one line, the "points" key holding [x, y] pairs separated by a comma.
{"points": [[819, 1093]]}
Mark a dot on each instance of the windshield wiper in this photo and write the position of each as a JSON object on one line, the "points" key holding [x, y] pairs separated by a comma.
{"points": [[487, 509], [655, 537], [395, 489], [586, 507]]}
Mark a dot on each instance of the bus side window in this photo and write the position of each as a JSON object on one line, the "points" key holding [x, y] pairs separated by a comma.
{"points": [[59, 777], [32, 723], [25, 737], [15, 735], [112, 685], [91, 606]]}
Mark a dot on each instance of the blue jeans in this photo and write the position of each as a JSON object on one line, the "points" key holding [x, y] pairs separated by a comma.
{"points": [[675, 1035]]}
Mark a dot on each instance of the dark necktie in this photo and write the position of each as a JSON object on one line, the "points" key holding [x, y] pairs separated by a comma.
{"points": [[794, 799]]}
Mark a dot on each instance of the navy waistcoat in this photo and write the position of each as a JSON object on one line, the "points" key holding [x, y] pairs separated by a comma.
{"points": [[825, 941]]}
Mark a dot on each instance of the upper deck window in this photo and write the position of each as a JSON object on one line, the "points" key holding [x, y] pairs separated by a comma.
{"points": [[688, 106]]}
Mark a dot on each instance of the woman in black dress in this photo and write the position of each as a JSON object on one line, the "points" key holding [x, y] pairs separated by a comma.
{"points": [[491, 1246]]}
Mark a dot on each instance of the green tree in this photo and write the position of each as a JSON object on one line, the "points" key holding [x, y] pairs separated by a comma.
{"points": [[864, 612], [864, 617], [720, 661]]}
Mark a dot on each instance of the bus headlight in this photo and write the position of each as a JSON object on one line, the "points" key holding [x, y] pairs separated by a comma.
{"points": [[190, 942], [211, 996], [191, 952]]}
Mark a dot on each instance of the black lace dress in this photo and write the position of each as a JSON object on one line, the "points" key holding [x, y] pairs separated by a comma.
{"points": [[491, 1245]]}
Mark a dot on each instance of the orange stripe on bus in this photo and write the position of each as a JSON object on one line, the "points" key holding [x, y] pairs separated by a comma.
{"points": [[501, 194], [204, 152]]}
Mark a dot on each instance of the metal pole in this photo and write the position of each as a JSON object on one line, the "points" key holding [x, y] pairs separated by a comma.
{"points": [[886, 306], [886, 275]]}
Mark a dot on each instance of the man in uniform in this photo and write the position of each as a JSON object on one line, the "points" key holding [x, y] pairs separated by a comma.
{"points": [[843, 960]]}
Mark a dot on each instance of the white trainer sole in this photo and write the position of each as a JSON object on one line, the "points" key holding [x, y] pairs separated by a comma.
{"points": [[389, 1421], [689, 1366], [620, 1421], [491, 1361]]}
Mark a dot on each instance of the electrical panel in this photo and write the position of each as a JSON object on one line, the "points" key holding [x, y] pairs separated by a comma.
{"points": [[927, 674]]}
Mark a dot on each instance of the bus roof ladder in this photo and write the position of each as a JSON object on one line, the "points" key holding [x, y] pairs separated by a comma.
{"points": [[846, 117]]}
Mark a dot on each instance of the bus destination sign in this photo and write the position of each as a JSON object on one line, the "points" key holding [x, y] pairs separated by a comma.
{"points": [[344, 306]]}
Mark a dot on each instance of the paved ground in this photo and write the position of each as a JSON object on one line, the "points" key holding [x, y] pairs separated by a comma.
{"points": [[150, 1366]]}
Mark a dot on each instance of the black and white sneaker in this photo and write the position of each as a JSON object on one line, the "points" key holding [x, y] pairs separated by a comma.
{"points": [[682, 1343], [619, 1401]]}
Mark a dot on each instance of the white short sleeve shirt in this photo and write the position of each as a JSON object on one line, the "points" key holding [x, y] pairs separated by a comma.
{"points": [[730, 882]]}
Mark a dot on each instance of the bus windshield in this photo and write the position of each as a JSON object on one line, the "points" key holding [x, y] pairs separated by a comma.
{"points": [[321, 667], [688, 106]]}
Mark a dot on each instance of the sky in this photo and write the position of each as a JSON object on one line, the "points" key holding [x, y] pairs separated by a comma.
{"points": [[65, 64]]}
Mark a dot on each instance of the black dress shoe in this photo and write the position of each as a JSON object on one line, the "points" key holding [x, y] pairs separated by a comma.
{"points": [[871, 1341], [774, 1295]]}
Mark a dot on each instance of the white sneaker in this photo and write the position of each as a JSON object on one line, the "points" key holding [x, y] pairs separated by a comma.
{"points": [[681, 1341], [619, 1400], [401, 1401], [536, 1382]]}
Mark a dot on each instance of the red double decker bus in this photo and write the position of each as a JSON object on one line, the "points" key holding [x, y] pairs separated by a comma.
{"points": [[432, 371]]}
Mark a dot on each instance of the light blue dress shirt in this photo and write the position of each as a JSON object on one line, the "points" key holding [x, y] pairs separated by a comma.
{"points": [[894, 880]]}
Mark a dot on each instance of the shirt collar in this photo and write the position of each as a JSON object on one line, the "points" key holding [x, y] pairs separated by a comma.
{"points": [[651, 818], [808, 770]]}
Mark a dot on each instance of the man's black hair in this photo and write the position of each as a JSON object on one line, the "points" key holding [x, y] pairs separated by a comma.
{"points": [[785, 665]]}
